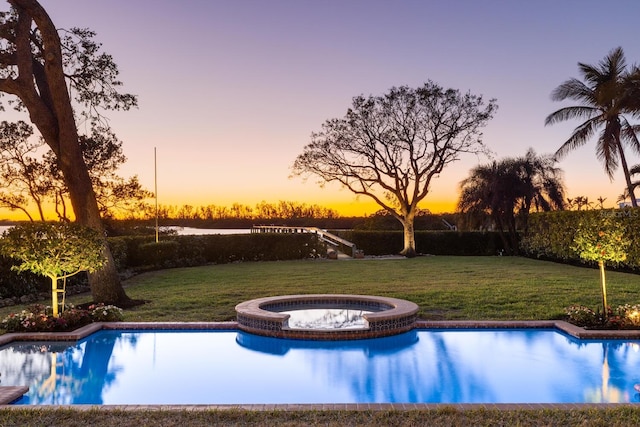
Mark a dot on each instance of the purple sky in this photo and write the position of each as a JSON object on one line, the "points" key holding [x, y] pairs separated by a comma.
{"points": [[230, 91]]}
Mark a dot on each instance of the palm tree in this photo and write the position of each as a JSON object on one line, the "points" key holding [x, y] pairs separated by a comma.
{"points": [[633, 171], [608, 92], [491, 189], [509, 189]]}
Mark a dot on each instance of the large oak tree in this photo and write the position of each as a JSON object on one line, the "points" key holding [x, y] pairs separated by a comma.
{"points": [[42, 71], [390, 147]]}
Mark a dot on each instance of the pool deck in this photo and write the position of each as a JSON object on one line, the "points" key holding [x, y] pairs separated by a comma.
{"points": [[9, 394]]}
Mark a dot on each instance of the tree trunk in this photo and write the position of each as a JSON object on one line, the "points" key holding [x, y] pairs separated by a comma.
{"points": [[603, 283], [43, 91], [513, 235], [627, 176], [54, 296], [409, 249], [105, 283], [497, 219]]}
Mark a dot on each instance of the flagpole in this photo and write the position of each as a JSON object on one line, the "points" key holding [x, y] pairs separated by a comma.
{"points": [[155, 180]]}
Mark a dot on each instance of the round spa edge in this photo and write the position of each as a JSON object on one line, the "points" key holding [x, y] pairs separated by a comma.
{"points": [[389, 316]]}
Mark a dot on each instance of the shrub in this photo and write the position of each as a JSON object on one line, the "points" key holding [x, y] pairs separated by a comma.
{"points": [[13, 284], [158, 253], [582, 316], [105, 313], [39, 318], [551, 234], [623, 317], [631, 315]]}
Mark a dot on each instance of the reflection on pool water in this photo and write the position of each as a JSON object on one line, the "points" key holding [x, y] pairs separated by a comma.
{"points": [[421, 366], [327, 318]]}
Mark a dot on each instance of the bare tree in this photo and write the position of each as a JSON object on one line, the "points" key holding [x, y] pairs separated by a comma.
{"points": [[116, 196], [27, 181], [35, 67], [390, 147]]}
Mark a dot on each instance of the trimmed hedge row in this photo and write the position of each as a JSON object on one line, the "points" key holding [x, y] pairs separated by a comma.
{"points": [[13, 284], [136, 252], [550, 234], [427, 242]]}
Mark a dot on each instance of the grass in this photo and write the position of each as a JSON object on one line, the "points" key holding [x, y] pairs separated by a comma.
{"points": [[447, 288], [444, 416]]}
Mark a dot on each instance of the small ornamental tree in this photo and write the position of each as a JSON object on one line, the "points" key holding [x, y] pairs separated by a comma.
{"points": [[602, 238], [54, 250]]}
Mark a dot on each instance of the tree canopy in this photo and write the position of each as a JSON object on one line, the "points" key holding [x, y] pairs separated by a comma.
{"points": [[54, 250], [509, 189], [604, 239], [58, 80], [389, 148], [29, 180], [607, 94]]}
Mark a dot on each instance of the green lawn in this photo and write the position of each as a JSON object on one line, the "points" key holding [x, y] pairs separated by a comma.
{"points": [[448, 288], [474, 288]]}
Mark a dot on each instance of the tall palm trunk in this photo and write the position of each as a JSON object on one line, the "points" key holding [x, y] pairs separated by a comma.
{"points": [[627, 175]]}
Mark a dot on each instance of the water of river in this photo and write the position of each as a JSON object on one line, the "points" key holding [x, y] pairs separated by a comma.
{"points": [[185, 231]]}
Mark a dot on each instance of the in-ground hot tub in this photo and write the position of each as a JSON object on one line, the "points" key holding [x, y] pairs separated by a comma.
{"points": [[326, 316]]}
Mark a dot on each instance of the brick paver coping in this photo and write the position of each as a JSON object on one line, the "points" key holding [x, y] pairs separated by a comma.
{"points": [[12, 393], [386, 316]]}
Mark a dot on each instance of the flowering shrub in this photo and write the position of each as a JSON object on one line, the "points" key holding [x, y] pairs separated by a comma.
{"points": [[39, 318], [105, 313], [34, 319], [630, 314], [582, 316], [623, 317]]}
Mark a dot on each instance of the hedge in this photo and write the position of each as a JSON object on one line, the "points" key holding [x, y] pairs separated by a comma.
{"points": [[139, 252], [550, 234], [427, 242]]}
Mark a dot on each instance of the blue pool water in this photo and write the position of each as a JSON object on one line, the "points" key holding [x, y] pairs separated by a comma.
{"points": [[227, 367]]}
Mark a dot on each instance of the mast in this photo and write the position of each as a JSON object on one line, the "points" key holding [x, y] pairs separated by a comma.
{"points": [[155, 190]]}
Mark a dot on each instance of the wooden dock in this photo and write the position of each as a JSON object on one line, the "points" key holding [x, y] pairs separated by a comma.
{"points": [[325, 236]]}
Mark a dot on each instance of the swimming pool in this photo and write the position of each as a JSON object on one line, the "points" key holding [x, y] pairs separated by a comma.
{"points": [[233, 367]]}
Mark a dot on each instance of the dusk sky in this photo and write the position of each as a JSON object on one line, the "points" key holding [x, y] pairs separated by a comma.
{"points": [[230, 91]]}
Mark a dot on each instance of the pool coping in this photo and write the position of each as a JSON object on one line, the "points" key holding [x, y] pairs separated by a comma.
{"points": [[9, 394], [265, 316]]}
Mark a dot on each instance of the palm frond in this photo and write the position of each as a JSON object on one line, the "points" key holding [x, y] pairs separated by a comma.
{"points": [[580, 136], [569, 113], [607, 151], [628, 135], [573, 89]]}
